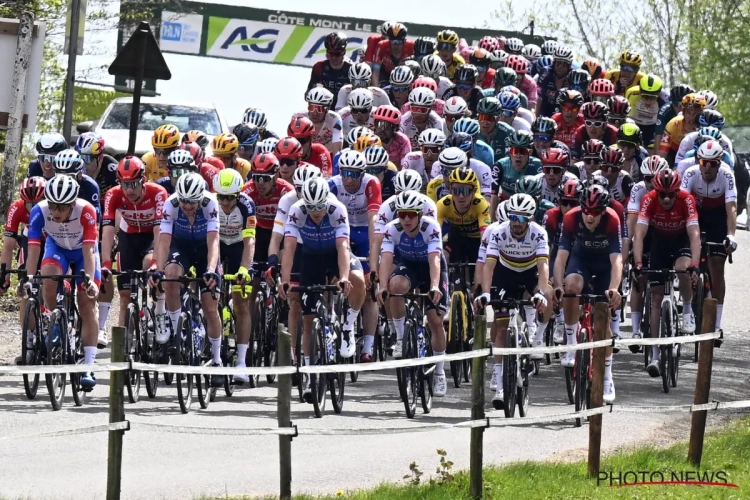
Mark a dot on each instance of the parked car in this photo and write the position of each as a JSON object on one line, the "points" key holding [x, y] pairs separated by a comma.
{"points": [[114, 125], [740, 136]]}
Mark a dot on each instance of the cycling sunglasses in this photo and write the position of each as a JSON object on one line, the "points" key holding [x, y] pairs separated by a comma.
{"points": [[667, 195], [408, 214], [336, 53], [709, 163], [627, 144], [518, 218], [552, 170], [610, 168], [481, 68], [46, 158], [287, 162], [396, 42], [351, 174], [316, 208], [648, 178], [569, 202], [435, 150], [543, 138], [88, 158], [226, 197], [163, 151], [360, 82], [452, 118], [361, 111], [420, 109], [316, 108], [508, 112], [594, 161], [178, 172], [594, 123], [59, 207], [616, 118], [185, 201], [628, 69], [486, 118], [399, 88], [517, 151], [263, 177], [570, 107], [464, 85], [247, 147], [303, 140], [446, 172], [130, 184], [375, 170], [462, 190], [592, 211]]}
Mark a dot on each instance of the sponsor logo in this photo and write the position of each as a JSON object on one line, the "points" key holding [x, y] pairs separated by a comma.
{"points": [[262, 41]]}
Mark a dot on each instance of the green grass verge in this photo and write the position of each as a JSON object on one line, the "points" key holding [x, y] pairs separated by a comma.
{"points": [[726, 454]]}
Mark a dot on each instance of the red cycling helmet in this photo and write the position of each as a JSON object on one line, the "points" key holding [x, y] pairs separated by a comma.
{"points": [[612, 155], [389, 114], [265, 163], [554, 156], [571, 189], [519, 64], [594, 111], [130, 169], [195, 151], [288, 147], [32, 189], [602, 87], [301, 128], [618, 105], [592, 148], [594, 197], [488, 43], [426, 82], [667, 181]]}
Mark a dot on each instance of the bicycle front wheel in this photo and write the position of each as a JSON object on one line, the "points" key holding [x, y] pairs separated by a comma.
{"points": [[271, 338], [455, 334], [698, 296], [30, 356], [510, 374], [57, 355], [132, 333], [581, 370], [318, 385], [185, 357], [407, 377]]}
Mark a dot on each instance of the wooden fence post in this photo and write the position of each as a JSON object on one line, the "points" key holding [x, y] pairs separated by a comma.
{"points": [[284, 414], [116, 414], [601, 326], [702, 382], [476, 450]]}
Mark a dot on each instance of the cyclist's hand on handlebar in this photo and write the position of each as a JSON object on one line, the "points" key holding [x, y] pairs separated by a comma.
{"points": [[382, 297], [614, 298], [106, 269], [476, 289], [694, 272], [730, 243], [482, 300], [540, 301], [26, 290], [637, 268], [557, 296], [92, 289], [155, 277], [211, 279], [243, 276], [284, 290], [435, 295], [346, 286]]}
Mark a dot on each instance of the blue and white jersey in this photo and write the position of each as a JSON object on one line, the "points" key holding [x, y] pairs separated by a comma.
{"points": [[387, 212], [176, 223], [367, 198], [317, 238], [428, 240], [89, 191]]}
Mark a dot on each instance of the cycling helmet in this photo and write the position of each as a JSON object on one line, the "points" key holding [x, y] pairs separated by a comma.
{"points": [[384, 27], [453, 158], [667, 181], [265, 163], [594, 111], [489, 106], [195, 151], [407, 180], [598, 180], [257, 117], [166, 136], [595, 197], [463, 175], [505, 76], [710, 150], [401, 76], [181, 159], [409, 200], [544, 125], [594, 68], [228, 182], [531, 52], [432, 66], [520, 139], [31, 189], [315, 191], [529, 184], [571, 188], [130, 169], [466, 73], [300, 128], [695, 99], [413, 66], [190, 187], [376, 156], [480, 57], [513, 46], [68, 162], [303, 173], [712, 132], [365, 142], [424, 45], [448, 37], [602, 88], [563, 53], [61, 189], [357, 132], [459, 140], [51, 144], [579, 79], [592, 148], [653, 165], [396, 31], [650, 85], [467, 125], [679, 91], [247, 134], [225, 144], [567, 96], [711, 118], [197, 136], [509, 100], [521, 204], [266, 145], [360, 71], [336, 41], [424, 82], [455, 106], [500, 58], [488, 43], [712, 100], [433, 137], [544, 64], [90, 143], [618, 106], [389, 114], [629, 58], [612, 155], [630, 132], [501, 213], [319, 95], [352, 159], [548, 47], [360, 98], [422, 97], [555, 156], [288, 148], [517, 64]]}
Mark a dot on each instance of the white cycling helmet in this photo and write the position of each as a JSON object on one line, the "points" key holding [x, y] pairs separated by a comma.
{"points": [[315, 191], [360, 98], [407, 180], [548, 47], [432, 66], [303, 173], [319, 95], [453, 158], [531, 52], [228, 181], [431, 137], [376, 156], [712, 100], [501, 213], [710, 150], [181, 158], [359, 71], [653, 165], [409, 200], [401, 76], [266, 145], [255, 116], [455, 106], [357, 132], [513, 46], [190, 187], [61, 189], [562, 53], [68, 162], [352, 159], [521, 204], [422, 96]]}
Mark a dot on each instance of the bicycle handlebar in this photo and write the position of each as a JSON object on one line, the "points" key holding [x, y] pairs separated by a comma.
{"points": [[315, 288], [710, 244], [185, 280], [233, 278]]}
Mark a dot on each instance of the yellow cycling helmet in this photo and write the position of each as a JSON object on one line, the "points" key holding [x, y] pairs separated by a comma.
{"points": [[365, 141], [463, 175], [447, 36], [166, 136], [225, 144], [651, 85], [631, 58], [694, 99]]}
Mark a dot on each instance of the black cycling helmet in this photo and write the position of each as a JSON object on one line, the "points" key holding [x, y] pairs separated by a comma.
{"points": [[505, 76], [544, 125], [424, 45], [247, 134], [679, 91], [336, 41]]}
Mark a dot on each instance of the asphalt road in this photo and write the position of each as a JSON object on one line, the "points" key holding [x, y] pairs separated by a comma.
{"points": [[167, 465]]}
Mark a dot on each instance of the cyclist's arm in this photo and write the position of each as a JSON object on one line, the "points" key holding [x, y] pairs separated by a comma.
{"points": [[273, 246], [542, 268], [213, 250], [108, 240], [89, 258], [248, 251], [694, 233], [162, 250], [433, 259], [616, 273], [560, 262], [287, 259], [487, 272], [640, 234], [386, 269], [375, 246], [342, 250]]}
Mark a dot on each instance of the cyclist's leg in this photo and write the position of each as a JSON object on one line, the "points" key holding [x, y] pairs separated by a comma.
{"points": [[262, 241], [54, 262], [356, 299], [435, 314], [231, 256], [210, 306], [660, 257], [105, 301], [682, 261], [293, 298], [87, 309], [716, 230], [361, 248], [400, 282], [577, 275], [177, 264]]}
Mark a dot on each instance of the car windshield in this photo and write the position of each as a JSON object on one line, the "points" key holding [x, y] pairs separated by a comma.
{"points": [[740, 135], [154, 115]]}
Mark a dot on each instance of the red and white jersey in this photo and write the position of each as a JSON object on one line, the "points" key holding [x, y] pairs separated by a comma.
{"points": [[79, 229], [266, 207], [140, 217], [17, 214], [636, 197], [347, 119], [379, 97], [366, 199], [438, 107], [410, 130], [668, 222], [328, 132], [321, 158], [714, 194], [282, 211], [567, 133], [415, 161], [208, 171], [443, 84]]}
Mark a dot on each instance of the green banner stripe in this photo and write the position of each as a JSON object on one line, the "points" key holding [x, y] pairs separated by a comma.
{"points": [[216, 27], [294, 43]]}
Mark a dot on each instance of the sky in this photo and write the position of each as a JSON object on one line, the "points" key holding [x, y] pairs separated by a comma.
{"points": [[235, 85]]}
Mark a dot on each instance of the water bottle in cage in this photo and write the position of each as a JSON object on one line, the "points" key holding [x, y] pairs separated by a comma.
{"points": [[329, 344], [421, 342], [200, 334]]}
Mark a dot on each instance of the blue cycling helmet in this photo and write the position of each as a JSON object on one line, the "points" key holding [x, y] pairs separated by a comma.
{"points": [[509, 100], [710, 131], [467, 126], [711, 118], [544, 64], [459, 140]]}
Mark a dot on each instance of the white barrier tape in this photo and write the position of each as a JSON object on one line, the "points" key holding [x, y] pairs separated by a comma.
{"points": [[469, 424], [79, 368], [215, 370], [500, 351], [396, 363], [116, 426], [220, 431], [734, 405], [682, 339], [543, 419], [652, 409]]}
